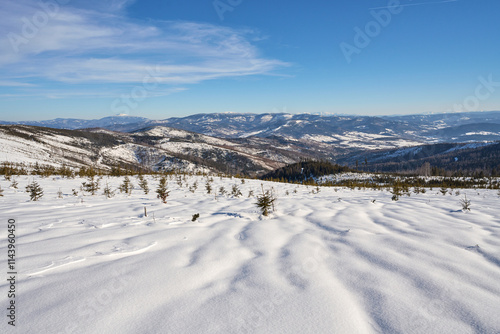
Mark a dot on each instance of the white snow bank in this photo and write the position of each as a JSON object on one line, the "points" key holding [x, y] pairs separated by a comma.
{"points": [[332, 262]]}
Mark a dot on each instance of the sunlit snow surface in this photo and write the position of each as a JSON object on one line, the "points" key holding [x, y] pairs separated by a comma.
{"points": [[345, 261]]}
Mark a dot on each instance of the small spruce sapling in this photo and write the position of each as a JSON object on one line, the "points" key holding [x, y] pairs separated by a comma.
{"points": [[162, 190], [397, 191], [92, 186], [108, 192], [235, 191], [195, 216], [126, 186], [208, 187], [193, 187], [14, 184], [465, 203], [265, 202], [143, 183], [35, 191]]}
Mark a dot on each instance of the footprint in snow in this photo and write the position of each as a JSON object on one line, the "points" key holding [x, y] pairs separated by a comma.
{"points": [[126, 249], [240, 236], [56, 264], [230, 214], [345, 232], [473, 248], [45, 226], [123, 249]]}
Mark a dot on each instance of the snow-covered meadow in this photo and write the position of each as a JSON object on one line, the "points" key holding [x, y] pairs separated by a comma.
{"points": [[337, 261]]}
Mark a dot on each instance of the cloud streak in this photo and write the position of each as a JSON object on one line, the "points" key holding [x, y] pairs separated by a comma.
{"points": [[416, 4], [86, 47]]}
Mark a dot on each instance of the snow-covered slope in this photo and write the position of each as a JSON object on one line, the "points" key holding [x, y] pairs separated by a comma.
{"points": [[25, 144], [156, 148], [332, 262]]}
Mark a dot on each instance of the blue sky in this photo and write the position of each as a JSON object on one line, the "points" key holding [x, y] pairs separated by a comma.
{"points": [[158, 59]]}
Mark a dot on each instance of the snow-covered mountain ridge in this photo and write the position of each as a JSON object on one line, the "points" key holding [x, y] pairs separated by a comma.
{"points": [[256, 143], [383, 131], [156, 148]]}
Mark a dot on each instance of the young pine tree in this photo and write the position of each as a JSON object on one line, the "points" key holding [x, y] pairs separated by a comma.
{"points": [[35, 191], [143, 183], [235, 191], [265, 202], [465, 203], [126, 186], [397, 191], [222, 191], [108, 192], [162, 190], [193, 187], [92, 186], [208, 187]]}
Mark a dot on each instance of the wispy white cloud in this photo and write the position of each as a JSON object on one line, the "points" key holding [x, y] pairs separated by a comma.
{"points": [[416, 4], [15, 84], [77, 45]]}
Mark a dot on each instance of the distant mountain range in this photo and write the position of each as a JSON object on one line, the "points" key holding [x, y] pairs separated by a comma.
{"points": [[257, 143], [74, 123], [385, 131]]}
